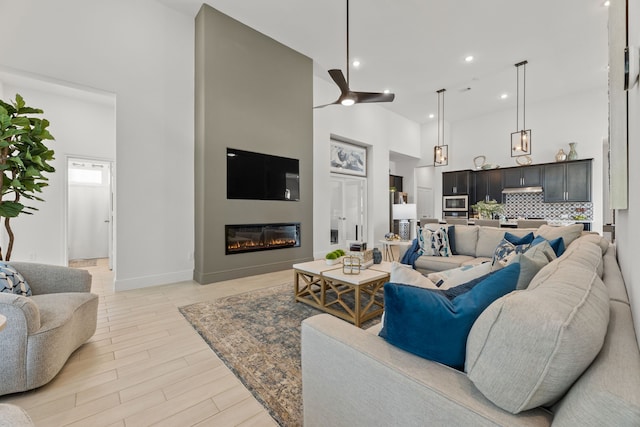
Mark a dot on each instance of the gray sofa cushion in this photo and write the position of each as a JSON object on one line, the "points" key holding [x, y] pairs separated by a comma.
{"points": [[440, 263], [466, 239], [14, 416], [569, 232], [553, 331], [608, 394]]}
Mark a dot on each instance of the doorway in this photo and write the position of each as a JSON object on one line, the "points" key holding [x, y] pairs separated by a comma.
{"points": [[425, 203], [90, 211], [348, 210]]}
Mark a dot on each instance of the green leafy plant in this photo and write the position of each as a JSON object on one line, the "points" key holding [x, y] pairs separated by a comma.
{"points": [[23, 160], [332, 255], [335, 254], [486, 210]]}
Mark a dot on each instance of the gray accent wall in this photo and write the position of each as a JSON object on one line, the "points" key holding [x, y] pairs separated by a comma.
{"points": [[251, 93]]}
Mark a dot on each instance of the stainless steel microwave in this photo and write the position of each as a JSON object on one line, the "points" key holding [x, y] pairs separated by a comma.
{"points": [[459, 203]]}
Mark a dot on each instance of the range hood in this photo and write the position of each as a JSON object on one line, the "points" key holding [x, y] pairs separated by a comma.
{"points": [[522, 190]]}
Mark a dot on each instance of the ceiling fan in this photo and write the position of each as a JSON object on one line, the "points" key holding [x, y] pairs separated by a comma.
{"points": [[347, 96]]}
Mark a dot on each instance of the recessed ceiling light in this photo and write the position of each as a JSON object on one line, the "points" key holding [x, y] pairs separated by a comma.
{"points": [[468, 58], [356, 63], [387, 91], [431, 116], [606, 3], [504, 96]]}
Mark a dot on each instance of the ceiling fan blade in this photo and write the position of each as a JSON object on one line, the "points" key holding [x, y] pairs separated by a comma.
{"points": [[331, 103], [338, 77], [363, 97]]}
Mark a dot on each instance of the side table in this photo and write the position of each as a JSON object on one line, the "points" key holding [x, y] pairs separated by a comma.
{"points": [[387, 249]]}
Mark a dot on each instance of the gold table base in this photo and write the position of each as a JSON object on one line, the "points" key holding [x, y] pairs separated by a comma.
{"points": [[328, 295]]}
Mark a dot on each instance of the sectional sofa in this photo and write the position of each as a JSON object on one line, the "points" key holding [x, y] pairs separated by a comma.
{"points": [[562, 352], [473, 244]]}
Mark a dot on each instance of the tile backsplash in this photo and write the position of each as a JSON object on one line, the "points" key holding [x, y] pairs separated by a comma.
{"points": [[532, 205]]}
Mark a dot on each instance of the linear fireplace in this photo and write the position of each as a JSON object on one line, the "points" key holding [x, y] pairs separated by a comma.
{"points": [[261, 237]]}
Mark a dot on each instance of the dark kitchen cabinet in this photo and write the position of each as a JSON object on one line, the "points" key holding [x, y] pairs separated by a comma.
{"points": [[520, 177], [454, 183], [487, 184], [568, 181]]}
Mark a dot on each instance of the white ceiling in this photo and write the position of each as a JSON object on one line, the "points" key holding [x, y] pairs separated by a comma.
{"points": [[415, 47]]}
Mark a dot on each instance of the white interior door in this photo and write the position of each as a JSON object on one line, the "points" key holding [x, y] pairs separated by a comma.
{"points": [[89, 209], [348, 210], [425, 203]]}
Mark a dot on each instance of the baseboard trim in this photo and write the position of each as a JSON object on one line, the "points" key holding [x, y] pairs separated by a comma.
{"points": [[153, 280], [219, 276]]}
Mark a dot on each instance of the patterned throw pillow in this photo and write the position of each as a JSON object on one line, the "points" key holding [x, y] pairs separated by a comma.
{"points": [[505, 252], [12, 282], [434, 242]]}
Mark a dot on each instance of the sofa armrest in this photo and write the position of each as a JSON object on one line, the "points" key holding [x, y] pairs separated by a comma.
{"points": [[353, 377], [51, 279], [22, 315]]}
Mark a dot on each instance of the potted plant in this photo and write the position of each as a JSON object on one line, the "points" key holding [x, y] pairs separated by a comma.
{"points": [[23, 159], [487, 210], [334, 257]]}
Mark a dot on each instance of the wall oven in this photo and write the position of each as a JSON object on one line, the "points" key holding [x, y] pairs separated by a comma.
{"points": [[458, 203], [455, 206]]}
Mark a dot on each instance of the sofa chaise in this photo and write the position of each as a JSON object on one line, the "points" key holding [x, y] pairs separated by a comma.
{"points": [[521, 361]]}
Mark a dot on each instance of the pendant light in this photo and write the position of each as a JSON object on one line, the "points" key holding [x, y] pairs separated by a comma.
{"points": [[441, 151], [521, 139]]}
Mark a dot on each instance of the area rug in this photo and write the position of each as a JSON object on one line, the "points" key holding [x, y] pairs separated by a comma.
{"points": [[257, 335]]}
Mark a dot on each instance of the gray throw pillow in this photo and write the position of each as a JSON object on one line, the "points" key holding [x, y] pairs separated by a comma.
{"points": [[527, 348]]}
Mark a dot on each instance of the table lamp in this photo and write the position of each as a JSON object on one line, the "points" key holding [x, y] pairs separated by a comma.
{"points": [[405, 212]]}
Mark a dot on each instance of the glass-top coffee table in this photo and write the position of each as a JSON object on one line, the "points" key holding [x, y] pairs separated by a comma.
{"points": [[355, 298]]}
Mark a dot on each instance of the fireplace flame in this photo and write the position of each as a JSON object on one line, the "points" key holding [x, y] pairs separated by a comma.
{"points": [[251, 244]]}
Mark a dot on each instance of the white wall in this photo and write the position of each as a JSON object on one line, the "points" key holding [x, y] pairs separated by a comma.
{"points": [[628, 220], [367, 124], [581, 118], [143, 52], [83, 125]]}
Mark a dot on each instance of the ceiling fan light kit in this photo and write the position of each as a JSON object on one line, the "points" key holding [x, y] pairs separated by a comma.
{"points": [[521, 139], [347, 96]]}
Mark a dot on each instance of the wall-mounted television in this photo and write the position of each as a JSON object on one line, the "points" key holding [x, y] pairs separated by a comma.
{"points": [[257, 176]]}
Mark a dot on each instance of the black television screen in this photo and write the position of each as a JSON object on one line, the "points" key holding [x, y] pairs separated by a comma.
{"points": [[257, 176]]}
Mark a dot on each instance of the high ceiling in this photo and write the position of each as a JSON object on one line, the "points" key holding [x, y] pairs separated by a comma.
{"points": [[415, 47]]}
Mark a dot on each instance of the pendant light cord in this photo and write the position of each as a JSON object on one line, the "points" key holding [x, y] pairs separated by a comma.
{"points": [[517, 95], [524, 94], [441, 95]]}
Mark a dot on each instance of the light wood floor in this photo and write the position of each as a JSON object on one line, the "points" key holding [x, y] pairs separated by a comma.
{"points": [[146, 365]]}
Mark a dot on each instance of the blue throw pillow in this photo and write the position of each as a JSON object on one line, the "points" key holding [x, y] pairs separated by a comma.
{"points": [[428, 324], [556, 244], [451, 232], [524, 240]]}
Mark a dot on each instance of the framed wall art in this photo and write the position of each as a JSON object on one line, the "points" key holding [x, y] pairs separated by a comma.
{"points": [[347, 158]]}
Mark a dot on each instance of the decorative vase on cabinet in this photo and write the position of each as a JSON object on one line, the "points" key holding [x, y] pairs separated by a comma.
{"points": [[561, 156], [573, 154]]}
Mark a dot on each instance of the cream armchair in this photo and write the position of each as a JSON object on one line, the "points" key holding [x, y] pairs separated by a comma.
{"points": [[43, 330]]}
